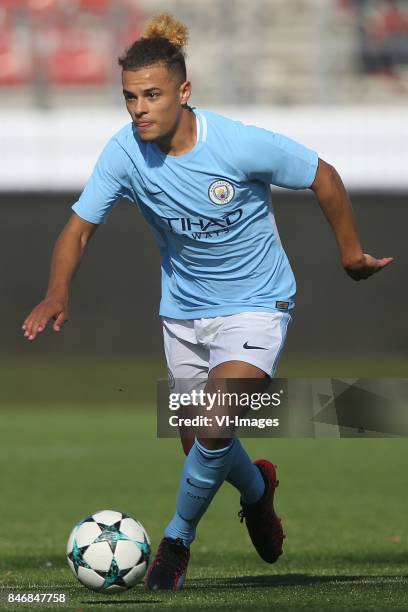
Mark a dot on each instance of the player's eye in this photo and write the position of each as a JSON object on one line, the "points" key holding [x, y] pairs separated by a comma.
{"points": [[153, 94]]}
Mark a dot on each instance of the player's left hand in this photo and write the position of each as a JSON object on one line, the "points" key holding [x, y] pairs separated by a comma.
{"points": [[367, 267]]}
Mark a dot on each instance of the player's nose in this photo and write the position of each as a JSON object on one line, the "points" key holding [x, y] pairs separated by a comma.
{"points": [[140, 108]]}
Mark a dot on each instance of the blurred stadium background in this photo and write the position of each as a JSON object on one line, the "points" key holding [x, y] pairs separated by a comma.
{"points": [[332, 74]]}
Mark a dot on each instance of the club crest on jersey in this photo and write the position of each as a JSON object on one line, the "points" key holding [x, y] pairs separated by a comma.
{"points": [[221, 192]]}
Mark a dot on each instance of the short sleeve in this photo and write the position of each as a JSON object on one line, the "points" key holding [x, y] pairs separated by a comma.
{"points": [[276, 159], [108, 182]]}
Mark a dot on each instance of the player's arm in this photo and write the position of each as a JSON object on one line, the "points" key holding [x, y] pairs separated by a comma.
{"points": [[67, 254], [107, 183], [335, 203]]}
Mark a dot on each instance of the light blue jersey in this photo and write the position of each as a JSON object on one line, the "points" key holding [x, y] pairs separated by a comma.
{"points": [[210, 211]]}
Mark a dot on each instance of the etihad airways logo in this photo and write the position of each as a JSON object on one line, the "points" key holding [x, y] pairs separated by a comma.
{"points": [[207, 227]]}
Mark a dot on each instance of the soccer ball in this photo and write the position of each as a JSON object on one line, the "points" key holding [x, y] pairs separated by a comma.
{"points": [[108, 551]]}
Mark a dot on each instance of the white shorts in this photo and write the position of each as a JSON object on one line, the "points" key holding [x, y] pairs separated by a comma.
{"points": [[194, 347]]}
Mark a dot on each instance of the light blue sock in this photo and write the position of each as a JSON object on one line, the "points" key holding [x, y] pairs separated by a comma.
{"points": [[245, 476], [203, 473]]}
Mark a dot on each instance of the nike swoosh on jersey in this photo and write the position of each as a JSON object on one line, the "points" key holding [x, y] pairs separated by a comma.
{"points": [[248, 346]]}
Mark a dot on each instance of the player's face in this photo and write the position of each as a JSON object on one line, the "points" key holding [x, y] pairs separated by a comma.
{"points": [[155, 98]]}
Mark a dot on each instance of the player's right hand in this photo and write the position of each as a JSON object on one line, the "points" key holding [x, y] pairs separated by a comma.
{"points": [[37, 320]]}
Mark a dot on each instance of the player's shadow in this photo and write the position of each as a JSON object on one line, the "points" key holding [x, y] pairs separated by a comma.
{"points": [[118, 602], [282, 580]]}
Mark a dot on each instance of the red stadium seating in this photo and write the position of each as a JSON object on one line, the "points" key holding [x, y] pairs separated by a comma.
{"points": [[42, 6], [15, 63], [78, 60], [11, 4], [66, 49], [98, 6]]}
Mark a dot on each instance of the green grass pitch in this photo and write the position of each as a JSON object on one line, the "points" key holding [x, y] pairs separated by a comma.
{"points": [[343, 503]]}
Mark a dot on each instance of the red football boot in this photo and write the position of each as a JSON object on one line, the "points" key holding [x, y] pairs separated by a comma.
{"points": [[264, 526], [169, 568]]}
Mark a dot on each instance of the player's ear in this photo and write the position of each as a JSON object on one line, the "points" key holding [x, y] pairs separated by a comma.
{"points": [[185, 92]]}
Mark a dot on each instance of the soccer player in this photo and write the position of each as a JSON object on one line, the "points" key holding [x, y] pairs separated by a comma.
{"points": [[202, 182]]}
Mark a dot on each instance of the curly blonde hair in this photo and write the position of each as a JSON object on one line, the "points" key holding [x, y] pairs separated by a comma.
{"points": [[166, 26], [163, 41]]}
